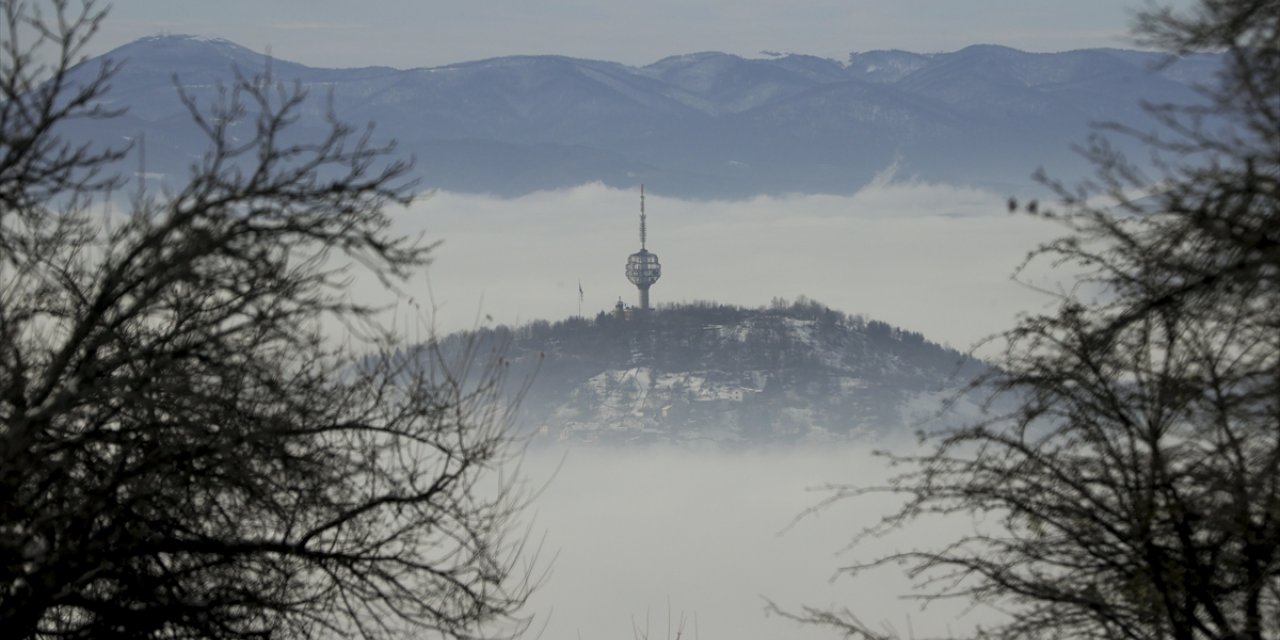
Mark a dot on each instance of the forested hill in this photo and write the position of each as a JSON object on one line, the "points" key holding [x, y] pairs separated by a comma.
{"points": [[710, 372]]}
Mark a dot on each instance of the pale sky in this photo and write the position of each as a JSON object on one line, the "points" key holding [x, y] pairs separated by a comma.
{"points": [[420, 33]]}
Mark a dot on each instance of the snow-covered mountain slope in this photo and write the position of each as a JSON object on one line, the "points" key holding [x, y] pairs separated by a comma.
{"points": [[714, 373], [702, 125]]}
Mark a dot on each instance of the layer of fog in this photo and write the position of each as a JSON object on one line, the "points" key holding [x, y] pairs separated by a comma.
{"points": [[712, 535], [931, 258]]}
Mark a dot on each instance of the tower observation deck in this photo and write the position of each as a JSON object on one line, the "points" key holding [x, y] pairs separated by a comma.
{"points": [[643, 268]]}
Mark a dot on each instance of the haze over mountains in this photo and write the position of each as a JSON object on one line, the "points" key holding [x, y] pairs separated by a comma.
{"points": [[702, 125]]}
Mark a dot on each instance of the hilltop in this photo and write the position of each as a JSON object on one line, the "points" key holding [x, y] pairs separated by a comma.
{"points": [[706, 372]]}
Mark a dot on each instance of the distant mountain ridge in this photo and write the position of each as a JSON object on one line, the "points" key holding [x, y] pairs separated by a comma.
{"points": [[711, 373], [708, 125]]}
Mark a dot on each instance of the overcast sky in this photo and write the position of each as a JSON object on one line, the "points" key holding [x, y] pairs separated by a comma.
{"points": [[417, 33]]}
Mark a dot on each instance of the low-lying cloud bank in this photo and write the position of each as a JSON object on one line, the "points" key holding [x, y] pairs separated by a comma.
{"points": [[714, 535], [932, 258], [711, 532]]}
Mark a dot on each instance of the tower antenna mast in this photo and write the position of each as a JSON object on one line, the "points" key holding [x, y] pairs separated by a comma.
{"points": [[642, 231]]}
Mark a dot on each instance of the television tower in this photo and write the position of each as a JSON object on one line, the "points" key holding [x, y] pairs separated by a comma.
{"points": [[642, 267]]}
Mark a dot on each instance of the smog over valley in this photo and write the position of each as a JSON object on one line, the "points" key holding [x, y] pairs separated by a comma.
{"points": [[667, 320]]}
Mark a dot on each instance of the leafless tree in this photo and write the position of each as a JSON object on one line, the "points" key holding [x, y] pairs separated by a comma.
{"points": [[1135, 490], [183, 454]]}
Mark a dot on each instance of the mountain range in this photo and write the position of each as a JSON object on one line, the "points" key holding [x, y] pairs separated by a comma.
{"points": [[702, 125]]}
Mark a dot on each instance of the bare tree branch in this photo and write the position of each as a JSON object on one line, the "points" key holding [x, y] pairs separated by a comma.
{"points": [[182, 454]]}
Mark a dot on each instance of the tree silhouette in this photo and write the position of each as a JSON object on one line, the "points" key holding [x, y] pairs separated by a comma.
{"points": [[1134, 492], [182, 452]]}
